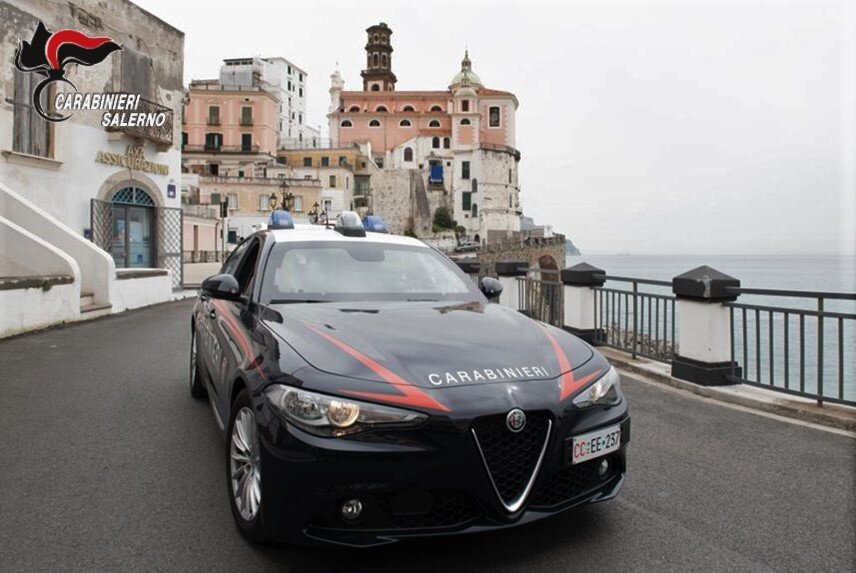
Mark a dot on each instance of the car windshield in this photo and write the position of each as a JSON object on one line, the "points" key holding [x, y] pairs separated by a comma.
{"points": [[355, 270]]}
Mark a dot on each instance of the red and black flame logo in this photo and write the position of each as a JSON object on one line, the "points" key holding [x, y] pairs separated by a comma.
{"points": [[48, 54]]}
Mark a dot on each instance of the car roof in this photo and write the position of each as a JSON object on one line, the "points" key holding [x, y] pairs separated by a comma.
{"points": [[320, 233]]}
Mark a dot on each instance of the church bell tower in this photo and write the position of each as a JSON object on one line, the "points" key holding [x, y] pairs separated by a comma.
{"points": [[378, 74]]}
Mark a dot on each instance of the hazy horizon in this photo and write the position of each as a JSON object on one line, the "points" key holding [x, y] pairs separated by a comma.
{"points": [[644, 127]]}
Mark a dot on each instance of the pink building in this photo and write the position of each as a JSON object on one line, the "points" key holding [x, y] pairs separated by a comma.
{"points": [[461, 138]]}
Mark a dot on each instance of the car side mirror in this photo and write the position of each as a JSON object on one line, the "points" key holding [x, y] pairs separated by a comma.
{"points": [[223, 286], [491, 288]]}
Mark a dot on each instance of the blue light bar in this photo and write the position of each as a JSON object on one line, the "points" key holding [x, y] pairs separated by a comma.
{"points": [[374, 223], [280, 220], [348, 224]]}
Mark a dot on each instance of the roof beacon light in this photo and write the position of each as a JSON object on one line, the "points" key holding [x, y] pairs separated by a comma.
{"points": [[280, 220], [374, 223], [348, 223]]}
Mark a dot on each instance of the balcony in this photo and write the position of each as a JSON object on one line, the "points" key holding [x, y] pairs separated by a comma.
{"points": [[213, 121], [220, 148], [247, 121], [160, 135]]}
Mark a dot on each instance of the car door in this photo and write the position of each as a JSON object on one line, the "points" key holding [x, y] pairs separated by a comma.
{"points": [[231, 330], [210, 341]]}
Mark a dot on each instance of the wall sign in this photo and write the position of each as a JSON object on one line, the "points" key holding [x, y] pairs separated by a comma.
{"points": [[134, 158]]}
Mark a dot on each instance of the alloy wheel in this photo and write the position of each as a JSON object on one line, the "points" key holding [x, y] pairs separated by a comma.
{"points": [[245, 469]]}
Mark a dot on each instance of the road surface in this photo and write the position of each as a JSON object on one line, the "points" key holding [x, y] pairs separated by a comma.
{"points": [[108, 464]]}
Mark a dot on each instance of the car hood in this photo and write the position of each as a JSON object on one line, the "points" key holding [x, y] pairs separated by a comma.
{"points": [[432, 345]]}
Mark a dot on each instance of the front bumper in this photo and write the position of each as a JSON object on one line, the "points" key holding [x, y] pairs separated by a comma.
{"points": [[422, 482]]}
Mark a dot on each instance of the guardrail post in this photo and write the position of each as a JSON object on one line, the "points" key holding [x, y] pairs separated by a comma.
{"points": [[507, 273], [579, 304], [703, 355]]}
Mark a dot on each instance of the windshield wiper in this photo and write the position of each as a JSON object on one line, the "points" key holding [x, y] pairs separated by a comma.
{"points": [[294, 300]]}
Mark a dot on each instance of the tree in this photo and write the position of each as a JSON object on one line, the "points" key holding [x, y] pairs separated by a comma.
{"points": [[443, 219]]}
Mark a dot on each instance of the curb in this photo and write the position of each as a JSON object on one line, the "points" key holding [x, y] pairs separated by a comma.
{"points": [[832, 416]]}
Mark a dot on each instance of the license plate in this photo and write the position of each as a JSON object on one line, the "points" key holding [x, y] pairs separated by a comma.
{"points": [[595, 444]]}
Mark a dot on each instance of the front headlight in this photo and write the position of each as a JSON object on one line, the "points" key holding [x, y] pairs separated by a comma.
{"points": [[605, 392], [330, 416]]}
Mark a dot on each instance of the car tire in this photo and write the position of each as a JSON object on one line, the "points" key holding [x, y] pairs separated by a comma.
{"points": [[197, 384], [242, 450]]}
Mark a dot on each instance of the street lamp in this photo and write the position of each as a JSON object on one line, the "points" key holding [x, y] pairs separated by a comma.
{"points": [[286, 203]]}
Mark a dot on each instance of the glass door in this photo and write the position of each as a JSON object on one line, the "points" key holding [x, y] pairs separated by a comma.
{"points": [[140, 242]]}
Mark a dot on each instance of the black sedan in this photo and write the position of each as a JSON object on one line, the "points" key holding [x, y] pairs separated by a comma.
{"points": [[369, 392]]}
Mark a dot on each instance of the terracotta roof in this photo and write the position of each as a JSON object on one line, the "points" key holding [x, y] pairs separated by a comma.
{"points": [[488, 91]]}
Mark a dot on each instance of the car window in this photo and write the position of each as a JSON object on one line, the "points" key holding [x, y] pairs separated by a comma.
{"points": [[247, 269], [233, 262], [333, 271]]}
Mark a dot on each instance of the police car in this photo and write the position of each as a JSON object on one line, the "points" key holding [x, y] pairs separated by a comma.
{"points": [[369, 391]]}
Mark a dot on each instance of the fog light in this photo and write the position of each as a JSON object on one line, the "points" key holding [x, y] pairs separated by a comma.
{"points": [[603, 467], [352, 509]]}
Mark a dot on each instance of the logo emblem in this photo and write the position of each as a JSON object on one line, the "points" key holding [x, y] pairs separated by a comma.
{"points": [[48, 53], [515, 420]]}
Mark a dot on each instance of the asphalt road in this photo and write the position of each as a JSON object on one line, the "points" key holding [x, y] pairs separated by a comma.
{"points": [[108, 464]]}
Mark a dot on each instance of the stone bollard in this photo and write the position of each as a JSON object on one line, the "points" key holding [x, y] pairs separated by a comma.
{"points": [[704, 326], [470, 266], [507, 273], [579, 316]]}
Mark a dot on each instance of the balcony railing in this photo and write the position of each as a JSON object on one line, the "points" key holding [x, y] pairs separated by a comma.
{"points": [[221, 148], [203, 211], [213, 121], [161, 135], [246, 121]]}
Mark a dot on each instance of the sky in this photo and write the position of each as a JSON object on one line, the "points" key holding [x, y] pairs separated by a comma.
{"points": [[668, 127]]}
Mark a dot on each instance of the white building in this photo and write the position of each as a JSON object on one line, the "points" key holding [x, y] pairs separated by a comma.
{"points": [[287, 82]]}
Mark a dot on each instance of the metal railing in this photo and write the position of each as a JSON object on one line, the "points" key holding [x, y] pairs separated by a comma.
{"points": [[636, 321], [541, 300], [221, 148], [780, 347], [202, 256]]}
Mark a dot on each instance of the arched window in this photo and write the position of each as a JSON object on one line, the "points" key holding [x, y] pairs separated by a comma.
{"points": [[434, 123], [435, 143], [408, 108], [436, 108], [374, 123], [465, 121], [404, 123], [475, 185], [475, 210], [133, 196], [447, 143], [375, 38], [381, 109], [346, 123], [354, 108], [408, 154], [375, 87], [374, 60], [385, 60], [384, 38]]}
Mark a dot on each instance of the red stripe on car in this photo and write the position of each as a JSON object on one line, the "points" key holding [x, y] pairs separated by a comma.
{"points": [[568, 384]]}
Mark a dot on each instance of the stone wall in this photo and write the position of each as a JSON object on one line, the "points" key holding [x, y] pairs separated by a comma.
{"points": [[531, 250]]}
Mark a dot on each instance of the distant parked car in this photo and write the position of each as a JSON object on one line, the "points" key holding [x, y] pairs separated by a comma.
{"points": [[369, 392]]}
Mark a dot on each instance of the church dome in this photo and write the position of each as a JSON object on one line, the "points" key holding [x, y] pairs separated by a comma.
{"points": [[466, 76]]}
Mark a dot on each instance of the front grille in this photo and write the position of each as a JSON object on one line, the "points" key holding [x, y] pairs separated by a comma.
{"points": [[511, 457], [443, 508], [570, 482]]}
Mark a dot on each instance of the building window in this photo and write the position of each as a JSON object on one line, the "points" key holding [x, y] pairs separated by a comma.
{"points": [[32, 134], [307, 162], [213, 141], [475, 210], [408, 108], [183, 138], [240, 172], [300, 77], [325, 161], [493, 116], [447, 143], [213, 115], [408, 154], [375, 87], [436, 108], [300, 118], [466, 201], [434, 123], [342, 160], [435, 142], [378, 159], [214, 169], [298, 202], [475, 185], [465, 105], [374, 123], [289, 85], [381, 109], [246, 115], [332, 181], [466, 121], [509, 174], [404, 123], [354, 109], [233, 201], [374, 60], [346, 123], [264, 202], [465, 169], [246, 142], [385, 60]]}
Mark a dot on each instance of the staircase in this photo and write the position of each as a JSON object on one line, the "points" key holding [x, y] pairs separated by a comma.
{"points": [[88, 305]]}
